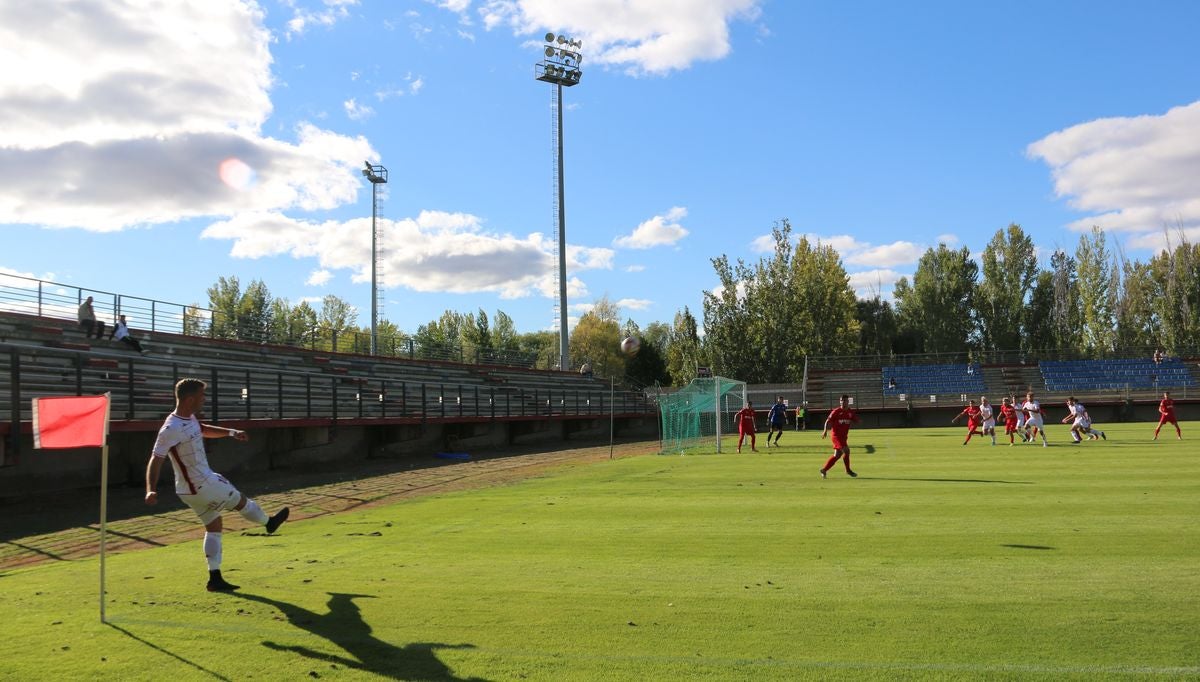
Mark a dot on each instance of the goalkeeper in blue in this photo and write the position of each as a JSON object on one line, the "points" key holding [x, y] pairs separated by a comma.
{"points": [[777, 417]]}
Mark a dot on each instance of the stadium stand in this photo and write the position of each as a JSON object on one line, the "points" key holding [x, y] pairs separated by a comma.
{"points": [[932, 379], [1118, 374], [258, 381]]}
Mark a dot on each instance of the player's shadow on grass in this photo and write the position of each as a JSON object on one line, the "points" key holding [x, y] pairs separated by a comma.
{"points": [[945, 480], [344, 626]]}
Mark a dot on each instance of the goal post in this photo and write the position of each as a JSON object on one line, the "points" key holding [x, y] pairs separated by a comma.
{"points": [[695, 417]]}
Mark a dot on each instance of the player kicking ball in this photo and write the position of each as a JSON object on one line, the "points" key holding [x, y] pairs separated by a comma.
{"points": [[208, 493], [839, 421]]}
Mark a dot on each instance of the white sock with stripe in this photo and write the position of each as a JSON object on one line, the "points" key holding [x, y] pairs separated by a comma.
{"points": [[212, 550], [254, 513]]}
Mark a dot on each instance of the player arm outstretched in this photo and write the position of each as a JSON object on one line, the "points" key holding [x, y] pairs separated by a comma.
{"points": [[211, 431], [825, 429]]}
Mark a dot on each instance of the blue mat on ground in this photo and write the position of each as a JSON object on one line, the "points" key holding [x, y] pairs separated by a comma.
{"points": [[461, 456]]}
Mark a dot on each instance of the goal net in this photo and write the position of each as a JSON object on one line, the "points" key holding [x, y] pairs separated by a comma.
{"points": [[695, 417]]}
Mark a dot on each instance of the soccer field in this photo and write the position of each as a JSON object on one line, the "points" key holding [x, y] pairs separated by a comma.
{"points": [[939, 562]]}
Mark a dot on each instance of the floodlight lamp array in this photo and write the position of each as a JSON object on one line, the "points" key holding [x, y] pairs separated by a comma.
{"points": [[562, 60]]}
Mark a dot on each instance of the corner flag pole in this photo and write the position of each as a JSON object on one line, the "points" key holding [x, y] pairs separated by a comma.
{"points": [[104, 502], [612, 413], [71, 422]]}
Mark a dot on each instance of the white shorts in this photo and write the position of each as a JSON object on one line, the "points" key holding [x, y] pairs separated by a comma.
{"points": [[1035, 422], [1020, 422], [212, 497], [1081, 423], [989, 424]]}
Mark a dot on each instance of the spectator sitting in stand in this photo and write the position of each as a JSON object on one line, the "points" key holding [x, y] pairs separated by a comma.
{"points": [[121, 332], [87, 320]]}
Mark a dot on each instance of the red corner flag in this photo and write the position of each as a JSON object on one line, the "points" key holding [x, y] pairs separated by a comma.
{"points": [[70, 422]]}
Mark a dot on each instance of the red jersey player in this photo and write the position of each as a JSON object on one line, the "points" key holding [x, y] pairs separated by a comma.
{"points": [[973, 420], [745, 422], [839, 420], [1166, 411], [1011, 416]]}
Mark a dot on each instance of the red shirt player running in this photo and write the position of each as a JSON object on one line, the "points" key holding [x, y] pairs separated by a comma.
{"points": [[840, 420], [1166, 411], [745, 422], [973, 420], [1009, 412]]}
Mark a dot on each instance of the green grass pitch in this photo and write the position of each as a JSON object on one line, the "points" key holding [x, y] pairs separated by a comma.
{"points": [[939, 562]]}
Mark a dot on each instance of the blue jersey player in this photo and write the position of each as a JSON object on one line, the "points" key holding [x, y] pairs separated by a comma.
{"points": [[777, 417]]}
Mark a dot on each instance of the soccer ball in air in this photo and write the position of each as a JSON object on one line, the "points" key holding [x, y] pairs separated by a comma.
{"points": [[630, 345]]}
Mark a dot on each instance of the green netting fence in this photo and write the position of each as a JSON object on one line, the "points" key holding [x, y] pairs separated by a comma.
{"points": [[695, 417]]}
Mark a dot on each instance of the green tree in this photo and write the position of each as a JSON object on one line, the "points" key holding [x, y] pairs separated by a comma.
{"points": [[647, 367], [824, 321], [477, 337], [302, 324], [196, 321], [1137, 323], [1009, 269], [1064, 313], [941, 301], [223, 298], [1176, 274], [683, 352], [597, 340], [542, 346], [1097, 293], [727, 323], [877, 326], [441, 338], [1038, 320]]}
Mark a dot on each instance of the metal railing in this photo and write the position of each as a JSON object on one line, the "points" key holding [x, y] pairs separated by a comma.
{"points": [[1004, 357], [44, 298]]}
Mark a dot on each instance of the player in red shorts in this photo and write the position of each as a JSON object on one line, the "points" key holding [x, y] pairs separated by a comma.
{"points": [[839, 421], [1011, 419], [973, 420], [745, 422], [1166, 411]]}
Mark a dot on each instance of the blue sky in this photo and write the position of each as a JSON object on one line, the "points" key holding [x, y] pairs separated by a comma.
{"points": [[879, 127]]}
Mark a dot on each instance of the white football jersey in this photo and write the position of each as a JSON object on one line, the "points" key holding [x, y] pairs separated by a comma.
{"points": [[985, 412], [183, 442], [1034, 410]]}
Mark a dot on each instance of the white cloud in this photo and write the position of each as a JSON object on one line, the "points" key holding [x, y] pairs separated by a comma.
{"points": [[763, 244], [415, 86], [131, 110], [319, 278], [1133, 174], [641, 37], [438, 248], [634, 303], [887, 255], [947, 239], [581, 308], [466, 35], [663, 230], [302, 17], [842, 243], [635, 268], [356, 111], [868, 283]]}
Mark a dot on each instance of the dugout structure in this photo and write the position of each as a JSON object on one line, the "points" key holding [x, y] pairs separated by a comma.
{"points": [[695, 417]]}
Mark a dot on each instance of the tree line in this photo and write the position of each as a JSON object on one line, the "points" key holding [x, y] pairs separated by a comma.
{"points": [[765, 317]]}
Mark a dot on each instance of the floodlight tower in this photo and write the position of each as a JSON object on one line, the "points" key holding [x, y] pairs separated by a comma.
{"points": [[378, 176], [560, 67]]}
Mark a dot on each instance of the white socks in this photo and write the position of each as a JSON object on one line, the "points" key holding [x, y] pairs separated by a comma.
{"points": [[253, 512], [212, 550]]}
